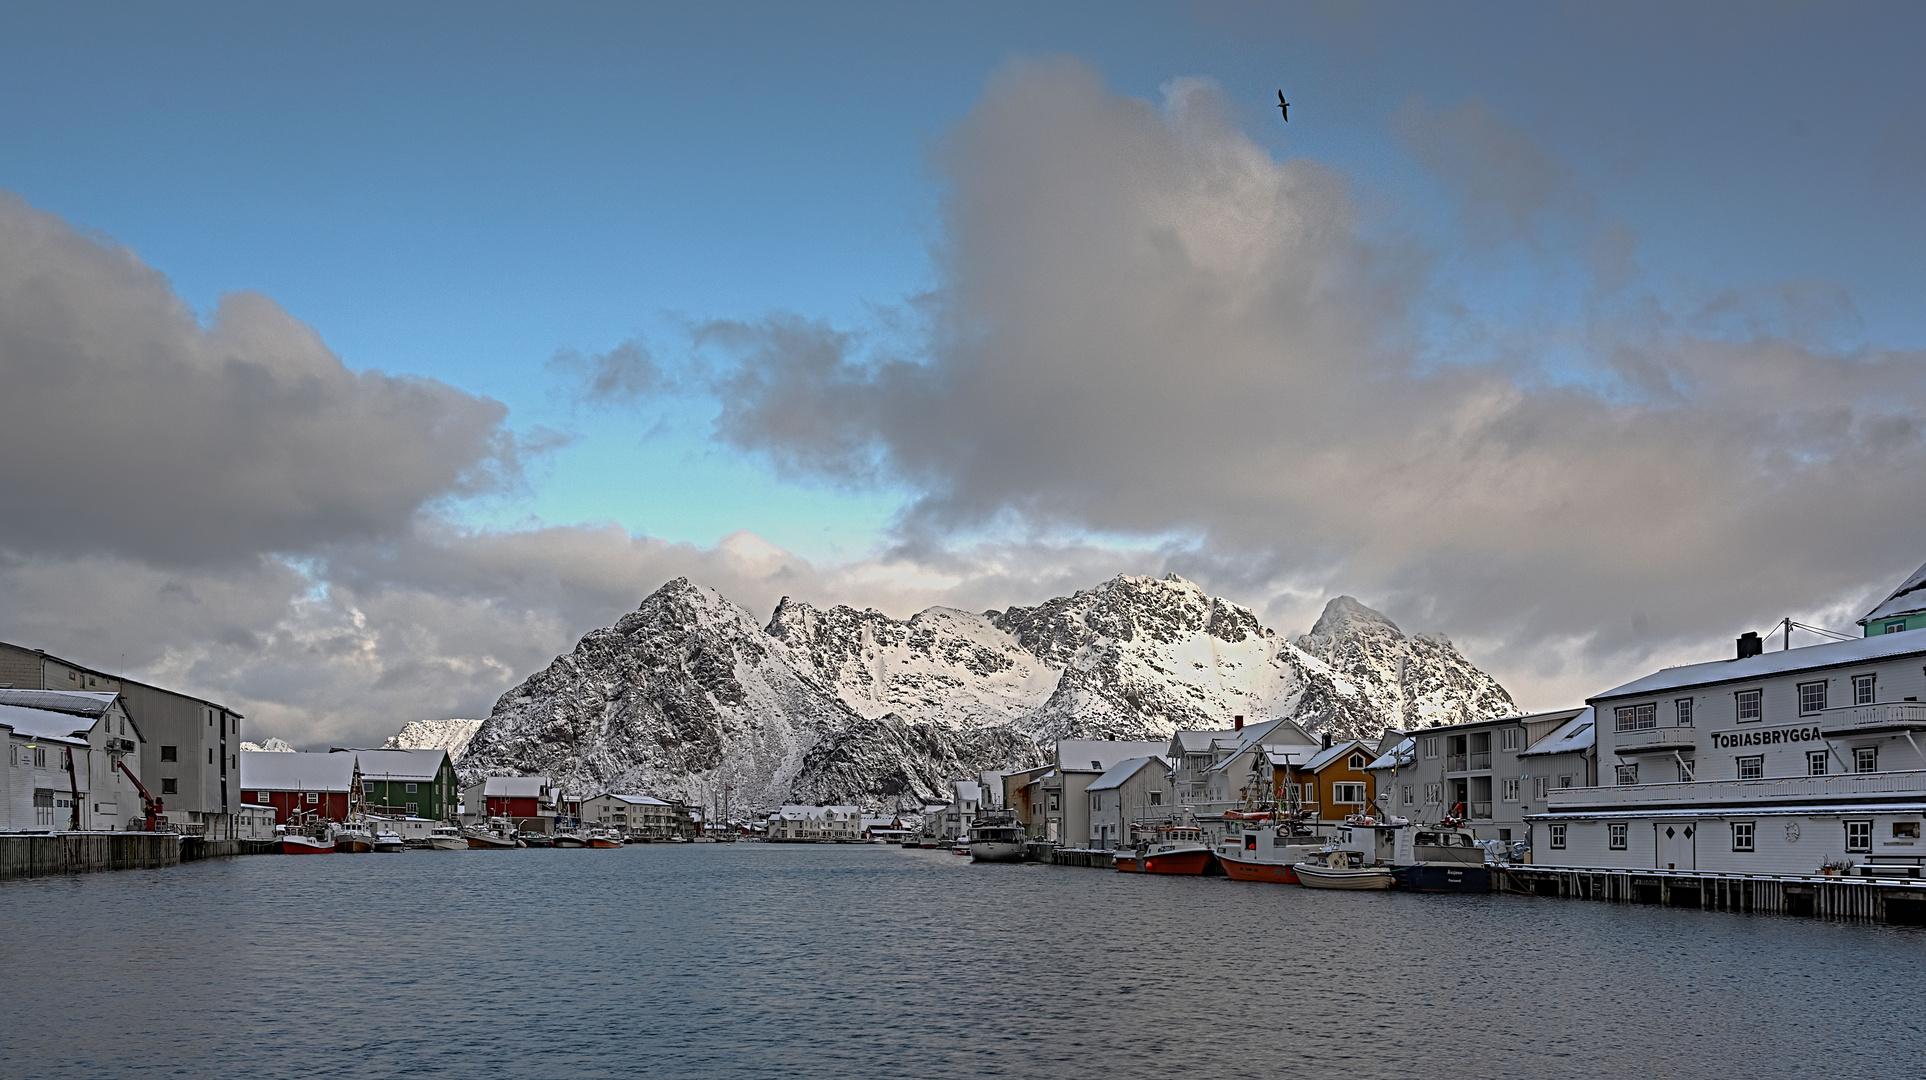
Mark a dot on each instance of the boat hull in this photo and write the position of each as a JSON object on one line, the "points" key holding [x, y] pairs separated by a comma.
{"points": [[1128, 864], [303, 845], [1442, 877], [1324, 877], [488, 843], [1240, 870], [996, 851], [570, 842], [604, 842], [1195, 861], [449, 843]]}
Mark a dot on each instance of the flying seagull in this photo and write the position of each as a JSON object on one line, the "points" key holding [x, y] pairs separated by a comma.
{"points": [[1283, 106]]}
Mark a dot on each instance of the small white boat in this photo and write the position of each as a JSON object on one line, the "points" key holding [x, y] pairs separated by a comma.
{"points": [[997, 840], [1339, 869], [389, 843], [447, 838], [496, 834], [570, 840]]}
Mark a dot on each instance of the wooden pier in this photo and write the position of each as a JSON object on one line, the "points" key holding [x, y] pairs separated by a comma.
{"points": [[50, 855], [1898, 902], [1101, 860]]}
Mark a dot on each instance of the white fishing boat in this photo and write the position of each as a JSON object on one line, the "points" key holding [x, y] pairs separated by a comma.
{"points": [[1340, 869], [447, 838], [389, 843], [570, 840], [496, 833], [997, 838]]}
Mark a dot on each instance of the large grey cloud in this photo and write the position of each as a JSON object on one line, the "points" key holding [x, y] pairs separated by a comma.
{"points": [[1146, 325], [130, 429]]}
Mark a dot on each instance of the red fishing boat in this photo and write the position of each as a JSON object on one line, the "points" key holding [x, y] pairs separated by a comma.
{"points": [[1177, 849]]}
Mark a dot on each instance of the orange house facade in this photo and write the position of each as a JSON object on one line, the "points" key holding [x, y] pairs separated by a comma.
{"points": [[1334, 784]]}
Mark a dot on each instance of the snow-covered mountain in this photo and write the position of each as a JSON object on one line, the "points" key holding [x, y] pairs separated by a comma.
{"points": [[688, 695], [450, 735]]}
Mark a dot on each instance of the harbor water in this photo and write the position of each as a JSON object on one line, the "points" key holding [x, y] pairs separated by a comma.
{"points": [[757, 960]]}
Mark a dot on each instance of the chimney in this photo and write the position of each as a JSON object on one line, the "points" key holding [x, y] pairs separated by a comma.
{"points": [[1750, 645], [1237, 723], [1327, 740]]}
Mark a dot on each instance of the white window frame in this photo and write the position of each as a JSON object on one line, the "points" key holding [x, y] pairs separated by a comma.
{"points": [[1865, 759], [1682, 709], [1642, 717], [1749, 701], [1617, 835], [1744, 835], [1816, 764], [1508, 791], [1430, 746], [1864, 689], [1343, 788], [1858, 837], [1510, 737], [1540, 788], [1555, 832], [1755, 761], [1410, 795], [1812, 698], [1626, 775]]}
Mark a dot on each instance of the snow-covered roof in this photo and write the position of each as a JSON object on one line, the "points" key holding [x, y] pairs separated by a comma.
{"points": [[1784, 662], [514, 787], [43, 724], [1398, 757], [269, 771], [1098, 755], [1905, 600], [74, 702], [1115, 776], [1578, 734], [968, 790], [1332, 753], [633, 800], [1239, 741], [399, 764], [803, 813]]}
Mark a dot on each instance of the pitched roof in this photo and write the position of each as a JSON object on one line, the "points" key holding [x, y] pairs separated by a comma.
{"points": [[44, 724], [1905, 600], [1100, 753], [269, 770], [513, 787], [1765, 665], [632, 800], [1580, 733], [1115, 776], [74, 702], [1332, 753], [1398, 756], [399, 764]]}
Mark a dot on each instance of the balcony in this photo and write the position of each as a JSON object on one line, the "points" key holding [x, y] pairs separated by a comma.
{"points": [[1480, 760], [1481, 811], [1663, 740], [1455, 763], [1866, 719], [1841, 787]]}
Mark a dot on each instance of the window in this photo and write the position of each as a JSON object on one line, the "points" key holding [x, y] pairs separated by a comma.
{"points": [[1096, 800], [1635, 717], [1347, 793], [412, 788], [367, 788], [1908, 830], [1858, 836], [1862, 689], [1430, 746], [1615, 835], [1895, 627], [1408, 800], [1752, 768], [1627, 775], [1053, 800], [170, 753], [1557, 834], [1865, 759], [39, 757], [1156, 798], [1508, 791], [210, 755], [1685, 770], [1748, 703], [1815, 763], [263, 799], [1742, 835], [1434, 793], [1357, 761], [1540, 788], [1566, 780], [1509, 738], [414, 809], [313, 797], [1812, 697], [170, 786], [1684, 707]]}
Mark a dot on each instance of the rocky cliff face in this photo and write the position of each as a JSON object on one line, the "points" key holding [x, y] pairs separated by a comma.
{"points": [[687, 694], [450, 735]]}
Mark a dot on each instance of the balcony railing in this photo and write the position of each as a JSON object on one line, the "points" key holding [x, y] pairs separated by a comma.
{"points": [[1481, 760], [1454, 763], [1905, 783], [1889, 716], [1481, 810], [1655, 740]]}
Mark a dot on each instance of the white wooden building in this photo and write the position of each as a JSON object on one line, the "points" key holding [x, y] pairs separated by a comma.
{"points": [[815, 825]]}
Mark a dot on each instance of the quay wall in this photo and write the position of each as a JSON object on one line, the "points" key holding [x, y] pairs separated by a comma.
{"points": [[86, 853], [1895, 902], [1101, 860]]}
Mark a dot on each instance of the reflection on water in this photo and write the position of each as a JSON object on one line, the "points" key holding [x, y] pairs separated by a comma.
{"points": [[754, 960]]}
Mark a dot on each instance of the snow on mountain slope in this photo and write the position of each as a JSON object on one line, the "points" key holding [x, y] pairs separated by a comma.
{"points": [[688, 694], [450, 735]]}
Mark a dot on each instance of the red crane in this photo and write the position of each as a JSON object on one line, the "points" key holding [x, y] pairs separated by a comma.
{"points": [[148, 804]]}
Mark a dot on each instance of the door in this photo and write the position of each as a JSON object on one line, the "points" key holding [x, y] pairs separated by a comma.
{"points": [[1676, 844]]}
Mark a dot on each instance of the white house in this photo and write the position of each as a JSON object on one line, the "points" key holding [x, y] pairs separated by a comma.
{"points": [[641, 816], [815, 825], [1130, 795], [64, 761]]}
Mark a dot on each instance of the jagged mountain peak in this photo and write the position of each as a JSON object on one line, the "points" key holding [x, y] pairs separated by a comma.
{"points": [[1345, 613]]}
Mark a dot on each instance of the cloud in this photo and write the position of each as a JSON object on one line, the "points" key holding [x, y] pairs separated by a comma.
{"points": [[1145, 326], [622, 375], [130, 430]]}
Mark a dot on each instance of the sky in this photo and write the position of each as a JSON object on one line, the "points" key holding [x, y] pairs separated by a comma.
{"points": [[358, 359]]}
